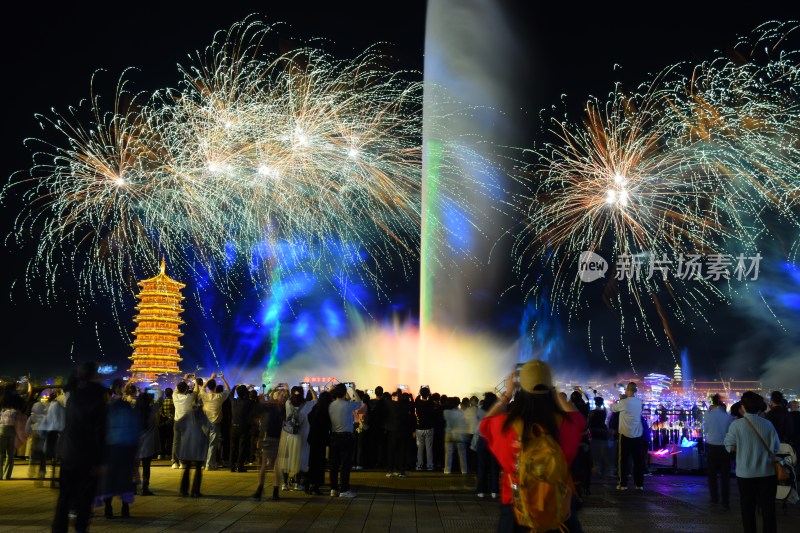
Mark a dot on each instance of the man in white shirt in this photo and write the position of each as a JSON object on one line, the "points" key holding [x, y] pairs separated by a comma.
{"points": [[183, 400], [631, 442], [212, 407]]}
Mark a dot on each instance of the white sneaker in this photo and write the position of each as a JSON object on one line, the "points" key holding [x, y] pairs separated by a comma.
{"points": [[481, 495], [334, 493], [392, 474], [347, 494], [175, 466], [620, 487], [640, 488], [284, 487], [419, 468], [494, 495]]}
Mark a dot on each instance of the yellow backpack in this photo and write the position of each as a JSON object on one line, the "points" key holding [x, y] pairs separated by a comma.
{"points": [[541, 486]]}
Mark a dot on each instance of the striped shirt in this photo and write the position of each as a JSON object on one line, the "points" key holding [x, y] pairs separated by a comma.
{"points": [[752, 459]]}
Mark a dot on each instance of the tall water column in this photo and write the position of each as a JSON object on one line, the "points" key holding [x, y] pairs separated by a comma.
{"points": [[475, 83]]}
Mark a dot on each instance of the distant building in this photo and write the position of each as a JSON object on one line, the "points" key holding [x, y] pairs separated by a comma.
{"points": [[731, 389]]}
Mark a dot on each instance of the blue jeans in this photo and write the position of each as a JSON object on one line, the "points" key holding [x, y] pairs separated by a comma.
{"points": [[458, 443], [214, 440]]}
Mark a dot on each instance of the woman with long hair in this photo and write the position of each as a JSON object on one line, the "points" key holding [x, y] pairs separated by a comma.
{"points": [[293, 447], [536, 407], [319, 438]]}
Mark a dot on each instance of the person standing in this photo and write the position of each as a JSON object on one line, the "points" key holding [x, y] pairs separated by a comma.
{"points": [[293, 446], [212, 407], [537, 405], [36, 428], [341, 453], [600, 443], [270, 417], [755, 441], [166, 424], [377, 433], [399, 427], [423, 406], [193, 451], [715, 424], [794, 412], [241, 413], [454, 436], [780, 417], [122, 442], [11, 416], [147, 412], [81, 447], [54, 422], [183, 401], [319, 438], [631, 442], [488, 471]]}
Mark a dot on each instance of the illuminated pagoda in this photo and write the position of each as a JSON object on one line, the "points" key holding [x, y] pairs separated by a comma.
{"points": [[155, 350]]}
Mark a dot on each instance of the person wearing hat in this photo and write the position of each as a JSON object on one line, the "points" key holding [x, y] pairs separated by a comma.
{"points": [[631, 442], [536, 401]]}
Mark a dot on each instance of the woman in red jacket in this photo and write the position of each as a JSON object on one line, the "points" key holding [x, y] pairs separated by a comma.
{"points": [[536, 401]]}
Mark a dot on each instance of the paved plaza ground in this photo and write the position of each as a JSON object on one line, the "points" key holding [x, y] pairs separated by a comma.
{"points": [[424, 502]]}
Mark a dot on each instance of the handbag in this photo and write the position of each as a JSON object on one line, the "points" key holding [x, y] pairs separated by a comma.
{"points": [[780, 471]]}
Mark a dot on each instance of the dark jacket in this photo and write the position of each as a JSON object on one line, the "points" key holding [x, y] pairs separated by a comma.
{"points": [[782, 420], [597, 424], [242, 412], [400, 416], [425, 415], [83, 439], [320, 424]]}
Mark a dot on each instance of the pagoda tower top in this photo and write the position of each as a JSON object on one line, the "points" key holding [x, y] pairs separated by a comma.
{"points": [[162, 279]]}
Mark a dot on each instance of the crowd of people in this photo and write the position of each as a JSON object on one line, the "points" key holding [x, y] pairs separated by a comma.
{"points": [[105, 438]]}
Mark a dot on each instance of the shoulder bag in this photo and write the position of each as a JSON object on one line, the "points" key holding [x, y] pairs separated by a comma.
{"points": [[780, 471]]}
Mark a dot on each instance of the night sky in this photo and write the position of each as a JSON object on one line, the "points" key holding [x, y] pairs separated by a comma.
{"points": [[50, 54]]}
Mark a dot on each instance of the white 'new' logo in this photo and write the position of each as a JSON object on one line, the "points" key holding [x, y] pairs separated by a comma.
{"points": [[591, 267]]}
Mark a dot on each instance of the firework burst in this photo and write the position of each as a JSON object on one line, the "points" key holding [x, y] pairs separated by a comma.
{"points": [[249, 150], [699, 164]]}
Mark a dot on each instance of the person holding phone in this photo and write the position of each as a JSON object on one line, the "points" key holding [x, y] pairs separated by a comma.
{"points": [[341, 412], [423, 406], [536, 404], [631, 441], [212, 407]]}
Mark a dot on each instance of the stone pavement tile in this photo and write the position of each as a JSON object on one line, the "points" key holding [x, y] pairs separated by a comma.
{"points": [[426, 503]]}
